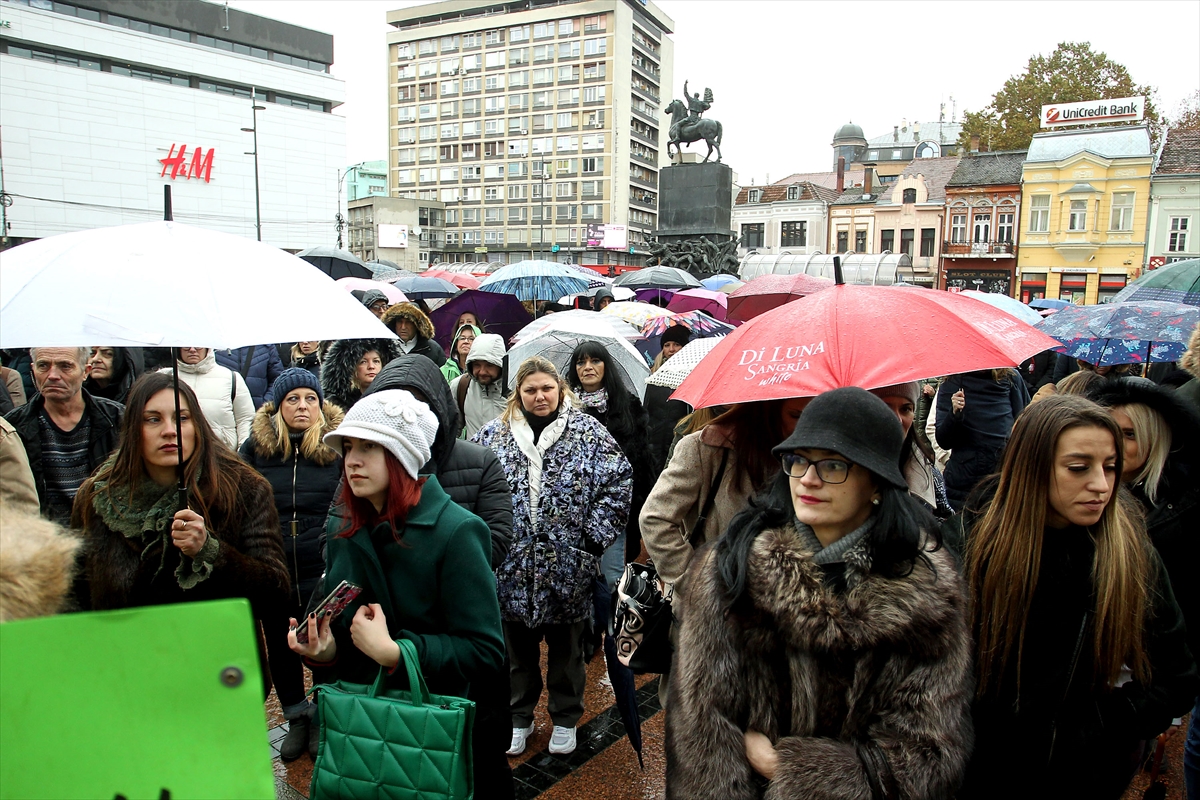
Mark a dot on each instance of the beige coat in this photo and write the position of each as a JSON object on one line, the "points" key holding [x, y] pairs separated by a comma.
{"points": [[677, 498], [18, 491], [16, 389]]}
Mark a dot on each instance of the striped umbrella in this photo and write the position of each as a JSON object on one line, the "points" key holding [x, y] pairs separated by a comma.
{"points": [[537, 280]]}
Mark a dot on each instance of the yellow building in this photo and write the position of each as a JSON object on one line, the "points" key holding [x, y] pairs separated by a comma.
{"points": [[1084, 199]]}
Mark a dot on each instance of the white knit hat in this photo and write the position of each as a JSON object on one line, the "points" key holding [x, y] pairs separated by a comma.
{"points": [[394, 419]]}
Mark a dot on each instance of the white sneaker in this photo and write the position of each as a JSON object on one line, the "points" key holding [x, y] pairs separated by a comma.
{"points": [[518, 741], [562, 741]]}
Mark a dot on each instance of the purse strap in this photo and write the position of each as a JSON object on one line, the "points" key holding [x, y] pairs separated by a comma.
{"points": [[698, 528], [417, 689]]}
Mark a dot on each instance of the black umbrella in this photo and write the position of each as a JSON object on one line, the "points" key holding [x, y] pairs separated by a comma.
{"points": [[336, 263], [619, 675], [658, 278]]}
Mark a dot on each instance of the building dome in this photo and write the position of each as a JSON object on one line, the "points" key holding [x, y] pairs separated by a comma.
{"points": [[849, 131]]}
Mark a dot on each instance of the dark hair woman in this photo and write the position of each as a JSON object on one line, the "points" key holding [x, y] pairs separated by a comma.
{"points": [[139, 550], [917, 461], [595, 380], [1066, 592], [285, 447], [350, 365], [823, 645], [421, 559], [113, 371]]}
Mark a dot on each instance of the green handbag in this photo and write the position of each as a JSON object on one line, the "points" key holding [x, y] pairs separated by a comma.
{"points": [[391, 744]]}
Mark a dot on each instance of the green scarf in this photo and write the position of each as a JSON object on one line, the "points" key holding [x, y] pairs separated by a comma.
{"points": [[146, 517]]}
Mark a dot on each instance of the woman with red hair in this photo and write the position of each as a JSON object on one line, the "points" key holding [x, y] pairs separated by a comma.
{"points": [[422, 560]]}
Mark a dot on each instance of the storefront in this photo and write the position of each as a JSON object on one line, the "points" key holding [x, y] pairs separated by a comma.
{"points": [[1072, 287], [1033, 286], [1110, 285], [993, 281]]}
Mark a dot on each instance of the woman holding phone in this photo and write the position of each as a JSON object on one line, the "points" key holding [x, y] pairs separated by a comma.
{"points": [[422, 560]]}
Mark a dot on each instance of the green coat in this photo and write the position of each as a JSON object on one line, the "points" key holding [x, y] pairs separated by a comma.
{"points": [[450, 370], [436, 589]]}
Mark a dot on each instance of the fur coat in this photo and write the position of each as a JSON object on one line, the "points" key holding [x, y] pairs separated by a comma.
{"points": [[424, 343], [562, 520], [876, 678], [37, 565], [340, 362]]}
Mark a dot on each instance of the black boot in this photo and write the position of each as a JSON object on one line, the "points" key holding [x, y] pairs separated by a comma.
{"points": [[296, 739], [314, 737]]}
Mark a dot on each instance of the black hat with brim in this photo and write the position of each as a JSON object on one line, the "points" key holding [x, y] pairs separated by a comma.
{"points": [[855, 424]]}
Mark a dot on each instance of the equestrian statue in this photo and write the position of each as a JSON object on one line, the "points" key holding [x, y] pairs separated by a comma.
{"points": [[688, 125]]}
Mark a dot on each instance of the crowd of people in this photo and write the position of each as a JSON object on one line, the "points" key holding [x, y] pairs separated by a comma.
{"points": [[974, 586]]}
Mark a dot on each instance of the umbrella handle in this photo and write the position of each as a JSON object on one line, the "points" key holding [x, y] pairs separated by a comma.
{"points": [[180, 480]]}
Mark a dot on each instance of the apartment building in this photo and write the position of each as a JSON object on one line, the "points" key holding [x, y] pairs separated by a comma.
{"points": [[530, 121]]}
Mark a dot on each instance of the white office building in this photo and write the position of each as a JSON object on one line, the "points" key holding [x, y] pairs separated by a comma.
{"points": [[531, 121], [103, 102]]}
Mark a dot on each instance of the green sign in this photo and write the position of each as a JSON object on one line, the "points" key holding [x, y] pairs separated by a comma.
{"points": [[480, 249], [134, 703], [554, 249]]}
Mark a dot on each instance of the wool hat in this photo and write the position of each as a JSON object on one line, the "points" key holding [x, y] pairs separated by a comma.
{"points": [[394, 419], [910, 391], [373, 296], [293, 378], [679, 334], [855, 424]]}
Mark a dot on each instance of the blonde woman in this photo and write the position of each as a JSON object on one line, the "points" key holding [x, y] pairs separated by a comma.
{"points": [[1065, 591], [571, 491]]}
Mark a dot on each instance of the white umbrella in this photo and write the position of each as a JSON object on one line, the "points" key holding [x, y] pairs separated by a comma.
{"points": [[579, 321], [169, 284], [680, 365], [558, 345], [1009, 305]]}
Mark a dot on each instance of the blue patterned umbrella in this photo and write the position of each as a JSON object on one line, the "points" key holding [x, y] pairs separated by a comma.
{"points": [[537, 280], [1123, 333], [1174, 283]]}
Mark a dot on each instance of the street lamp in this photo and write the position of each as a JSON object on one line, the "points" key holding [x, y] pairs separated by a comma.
{"points": [[338, 218], [542, 217], [254, 109]]}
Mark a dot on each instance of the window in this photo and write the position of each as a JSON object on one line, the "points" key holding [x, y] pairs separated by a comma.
{"points": [[449, 109], [518, 56], [927, 246], [793, 193], [887, 240], [1004, 227], [518, 169], [1078, 221], [450, 130], [471, 64], [589, 211], [596, 23], [471, 172], [493, 82], [471, 129], [564, 189], [568, 73], [595, 71], [753, 235], [753, 196], [493, 60], [406, 135], [406, 114], [493, 149], [567, 119], [541, 99], [520, 33], [448, 174], [543, 52], [860, 240], [449, 88], [406, 155], [958, 228], [471, 107], [428, 133], [518, 78], [470, 150], [472, 85], [492, 215], [592, 164], [472, 40], [541, 30], [595, 47], [1039, 213], [517, 191], [564, 166], [910, 196], [1122, 212], [906, 241], [592, 94], [471, 215], [427, 47], [568, 49], [494, 37], [518, 125], [449, 66], [493, 127], [427, 69], [545, 75], [493, 104], [794, 234], [982, 228], [566, 213], [472, 193], [566, 27], [843, 241], [1178, 235], [448, 152], [427, 175], [406, 73], [568, 97], [593, 141], [404, 176], [591, 189]]}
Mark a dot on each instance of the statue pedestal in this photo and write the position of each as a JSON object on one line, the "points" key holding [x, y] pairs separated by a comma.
{"points": [[695, 200]]}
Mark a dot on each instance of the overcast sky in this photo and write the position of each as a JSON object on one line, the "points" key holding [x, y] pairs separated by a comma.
{"points": [[785, 75]]}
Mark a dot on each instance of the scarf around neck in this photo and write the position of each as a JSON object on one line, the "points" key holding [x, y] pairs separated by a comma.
{"points": [[835, 552], [597, 400]]}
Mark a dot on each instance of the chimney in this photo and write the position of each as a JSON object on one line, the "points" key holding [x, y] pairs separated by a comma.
{"points": [[841, 173], [895, 133], [974, 142], [867, 172], [916, 131]]}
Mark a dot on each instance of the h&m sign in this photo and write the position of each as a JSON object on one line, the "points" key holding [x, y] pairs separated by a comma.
{"points": [[200, 165], [1124, 109]]}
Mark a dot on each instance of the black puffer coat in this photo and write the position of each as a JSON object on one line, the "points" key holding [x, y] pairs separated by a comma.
{"points": [[340, 362], [630, 435], [470, 474], [662, 415], [265, 366], [425, 344], [1178, 498], [303, 483]]}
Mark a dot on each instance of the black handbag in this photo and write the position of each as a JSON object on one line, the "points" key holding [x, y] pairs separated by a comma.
{"points": [[642, 618]]}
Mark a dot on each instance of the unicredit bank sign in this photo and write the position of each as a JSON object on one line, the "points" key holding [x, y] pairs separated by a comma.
{"points": [[1125, 109]]}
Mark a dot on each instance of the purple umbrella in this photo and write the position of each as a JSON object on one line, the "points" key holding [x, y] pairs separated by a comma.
{"points": [[654, 295], [499, 313]]}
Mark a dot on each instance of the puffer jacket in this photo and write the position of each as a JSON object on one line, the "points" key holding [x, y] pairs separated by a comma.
{"points": [[224, 398], [482, 403], [304, 483], [470, 474], [340, 362], [265, 367], [564, 515], [423, 343]]}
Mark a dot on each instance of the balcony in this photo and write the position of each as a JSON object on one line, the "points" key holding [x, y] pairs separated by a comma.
{"points": [[977, 249]]}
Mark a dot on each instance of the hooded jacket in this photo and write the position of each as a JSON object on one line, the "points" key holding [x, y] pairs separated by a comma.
{"points": [[340, 362], [304, 484], [265, 367], [224, 398], [423, 343], [482, 403], [451, 369], [469, 473], [128, 365], [1178, 498]]}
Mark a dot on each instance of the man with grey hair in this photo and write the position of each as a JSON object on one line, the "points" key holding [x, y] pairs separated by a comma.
{"points": [[66, 432]]}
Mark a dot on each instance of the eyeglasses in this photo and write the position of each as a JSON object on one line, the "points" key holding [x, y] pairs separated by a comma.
{"points": [[830, 470]]}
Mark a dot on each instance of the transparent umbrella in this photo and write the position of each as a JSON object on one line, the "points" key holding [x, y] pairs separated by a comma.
{"points": [[558, 345]]}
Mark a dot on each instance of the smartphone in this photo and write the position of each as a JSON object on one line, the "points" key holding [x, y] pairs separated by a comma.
{"points": [[335, 603]]}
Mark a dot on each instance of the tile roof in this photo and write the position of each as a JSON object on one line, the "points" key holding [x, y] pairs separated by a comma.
{"points": [[777, 192], [949, 132], [989, 169], [1124, 142], [826, 179], [935, 171], [853, 196], [1181, 153]]}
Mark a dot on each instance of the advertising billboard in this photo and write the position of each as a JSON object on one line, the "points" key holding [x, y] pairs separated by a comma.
{"points": [[1124, 109]]}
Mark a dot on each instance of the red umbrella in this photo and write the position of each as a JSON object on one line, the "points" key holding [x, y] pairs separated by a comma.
{"points": [[771, 291], [868, 336], [709, 302], [460, 279]]}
